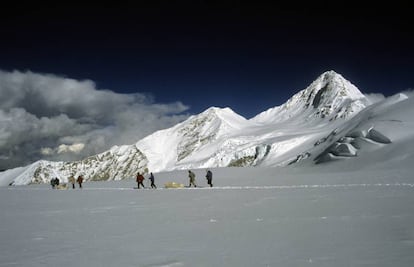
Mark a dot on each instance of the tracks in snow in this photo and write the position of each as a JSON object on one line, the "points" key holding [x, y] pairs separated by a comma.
{"points": [[232, 187]]}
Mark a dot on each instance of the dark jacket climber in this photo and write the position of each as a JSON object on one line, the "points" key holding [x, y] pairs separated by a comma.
{"points": [[80, 181], [209, 177], [152, 179]]}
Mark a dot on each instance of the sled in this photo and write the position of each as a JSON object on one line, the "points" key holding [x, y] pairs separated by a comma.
{"points": [[173, 185], [62, 186]]}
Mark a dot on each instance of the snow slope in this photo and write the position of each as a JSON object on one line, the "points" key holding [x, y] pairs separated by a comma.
{"points": [[280, 216]]}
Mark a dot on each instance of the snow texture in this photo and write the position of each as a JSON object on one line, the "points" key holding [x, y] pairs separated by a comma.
{"points": [[323, 192], [310, 216]]}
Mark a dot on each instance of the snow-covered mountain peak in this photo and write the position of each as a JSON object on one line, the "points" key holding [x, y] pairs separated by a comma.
{"points": [[224, 115], [330, 96], [331, 85], [213, 121], [189, 136]]}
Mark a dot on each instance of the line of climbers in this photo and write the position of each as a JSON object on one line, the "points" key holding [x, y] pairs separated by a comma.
{"points": [[191, 175], [139, 179], [55, 183]]}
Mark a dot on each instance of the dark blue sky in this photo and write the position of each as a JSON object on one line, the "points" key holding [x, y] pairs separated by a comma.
{"points": [[247, 57]]}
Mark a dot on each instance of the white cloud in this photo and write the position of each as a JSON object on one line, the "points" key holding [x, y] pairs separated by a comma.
{"points": [[48, 116], [374, 98], [75, 148], [46, 151], [408, 92]]}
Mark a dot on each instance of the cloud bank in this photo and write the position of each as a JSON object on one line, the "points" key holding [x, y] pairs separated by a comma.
{"points": [[44, 116]]}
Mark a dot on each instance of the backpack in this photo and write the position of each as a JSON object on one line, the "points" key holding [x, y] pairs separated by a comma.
{"points": [[140, 178]]}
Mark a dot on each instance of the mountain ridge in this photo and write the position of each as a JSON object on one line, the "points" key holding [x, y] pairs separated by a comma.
{"points": [[219, 137]]}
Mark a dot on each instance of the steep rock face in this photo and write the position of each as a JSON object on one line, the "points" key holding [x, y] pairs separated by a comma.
{"points": [[115, 164], [330, 96]]}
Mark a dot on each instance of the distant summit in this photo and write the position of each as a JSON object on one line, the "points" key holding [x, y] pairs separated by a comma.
{"points": [[167, 147], [329, 96], [330, 88]]}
